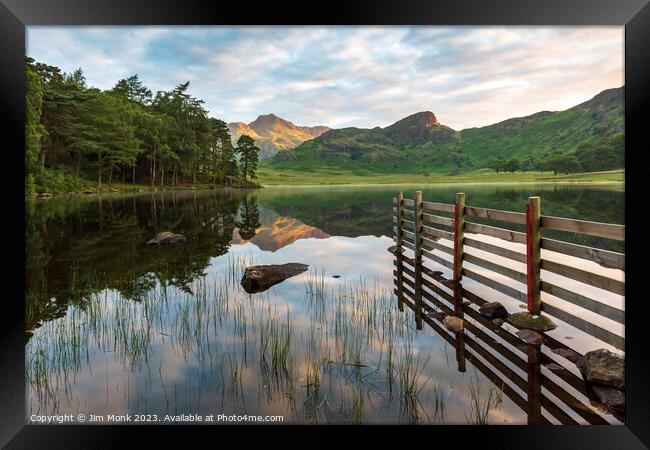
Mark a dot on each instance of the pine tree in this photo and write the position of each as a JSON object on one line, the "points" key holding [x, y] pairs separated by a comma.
{"points": [[249, 156]]}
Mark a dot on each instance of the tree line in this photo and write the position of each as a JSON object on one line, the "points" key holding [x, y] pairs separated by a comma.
{"points": [[75, 132], [606, 154]]}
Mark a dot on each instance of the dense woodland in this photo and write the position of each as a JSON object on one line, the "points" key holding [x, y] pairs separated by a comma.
{"points": [[76, 133]]}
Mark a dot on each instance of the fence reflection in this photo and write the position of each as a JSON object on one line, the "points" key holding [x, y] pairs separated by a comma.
{"points": [[552, 395]]}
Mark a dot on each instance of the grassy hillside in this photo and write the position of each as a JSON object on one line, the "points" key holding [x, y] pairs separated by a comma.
{"points": [[419, 145]]}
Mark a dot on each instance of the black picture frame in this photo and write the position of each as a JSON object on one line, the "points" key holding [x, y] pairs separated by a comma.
{"points": [[15, 15]]}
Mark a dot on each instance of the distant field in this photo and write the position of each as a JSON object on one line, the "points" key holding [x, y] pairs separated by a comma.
{"points": [[270, 177]]}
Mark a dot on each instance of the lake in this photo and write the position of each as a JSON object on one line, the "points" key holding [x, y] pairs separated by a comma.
{"points": [[115, 327]]}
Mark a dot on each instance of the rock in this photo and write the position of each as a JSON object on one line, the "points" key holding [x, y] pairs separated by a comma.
{"points": [[529, 321], [88, 191], [437, 315], [603, 367], [395, 250], [498, 322], [553, 366], [45, 194], [530, 337], [336, 276], [523, 306], [610, 397], [493, 310], [260, 278], [167, 237], [453, 323], [567, 353]]}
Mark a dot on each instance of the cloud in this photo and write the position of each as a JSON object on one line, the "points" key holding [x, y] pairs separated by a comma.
{"points": [[350, 76]]}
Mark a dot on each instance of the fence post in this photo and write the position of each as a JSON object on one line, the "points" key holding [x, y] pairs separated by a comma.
{"points": [[417, 243], [533, 254], [400, 240], [459, 228], [400, 219]]}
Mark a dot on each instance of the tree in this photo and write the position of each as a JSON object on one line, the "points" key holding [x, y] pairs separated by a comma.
{"points": [[224, 163], [563, 164], [511, 165], [132, 89], [497, 165], [249, 156], [34, 131]]}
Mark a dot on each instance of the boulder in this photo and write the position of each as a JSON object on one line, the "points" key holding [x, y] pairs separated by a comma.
{"points": [[493, 310], [530, 321], [610, 397], [603, 367], [567, 353], [260, 278], [166, 238], [530, 337], [453, 323]]}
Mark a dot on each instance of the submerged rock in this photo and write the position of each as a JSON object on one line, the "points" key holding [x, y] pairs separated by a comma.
{"points": [[610, 397], [530, 337], [567, 353], [493, 310], [167, 237], [260, 278], [603, 367], [437, 315], [453, 323], [530, 321], [395, 250], [553, 366]]}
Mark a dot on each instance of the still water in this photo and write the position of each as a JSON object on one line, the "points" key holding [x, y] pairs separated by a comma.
{"points": [[116, 327]]}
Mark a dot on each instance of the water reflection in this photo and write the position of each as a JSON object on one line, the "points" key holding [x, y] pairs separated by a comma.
{"points": [[116, 326]]}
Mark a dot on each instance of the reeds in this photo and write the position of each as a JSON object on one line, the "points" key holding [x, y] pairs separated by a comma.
{"points": [[343, 353]]}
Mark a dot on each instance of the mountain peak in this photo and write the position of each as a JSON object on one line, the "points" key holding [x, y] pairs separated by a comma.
{"points": [[273, 133], [419, 127], [422, 119]]}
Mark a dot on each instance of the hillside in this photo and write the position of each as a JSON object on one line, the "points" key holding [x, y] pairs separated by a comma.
{"points": [[273, 134], [420, 144]]}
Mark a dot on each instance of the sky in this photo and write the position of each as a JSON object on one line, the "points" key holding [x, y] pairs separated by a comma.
{"points": [[350, 76]]}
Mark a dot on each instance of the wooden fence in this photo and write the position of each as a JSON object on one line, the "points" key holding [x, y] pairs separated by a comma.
{"points": [[553, 395], [428, 229]]}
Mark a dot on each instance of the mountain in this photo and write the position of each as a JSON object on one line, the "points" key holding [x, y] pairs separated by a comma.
{"points": [[419, 143], [273, 134]]}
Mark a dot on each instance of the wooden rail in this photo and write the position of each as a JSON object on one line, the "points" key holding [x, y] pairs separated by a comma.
{"points": [[495, 358], [531, 267]]}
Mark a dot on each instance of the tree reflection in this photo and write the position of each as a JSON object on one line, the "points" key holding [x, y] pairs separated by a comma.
{"points": [[249, 221]]}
